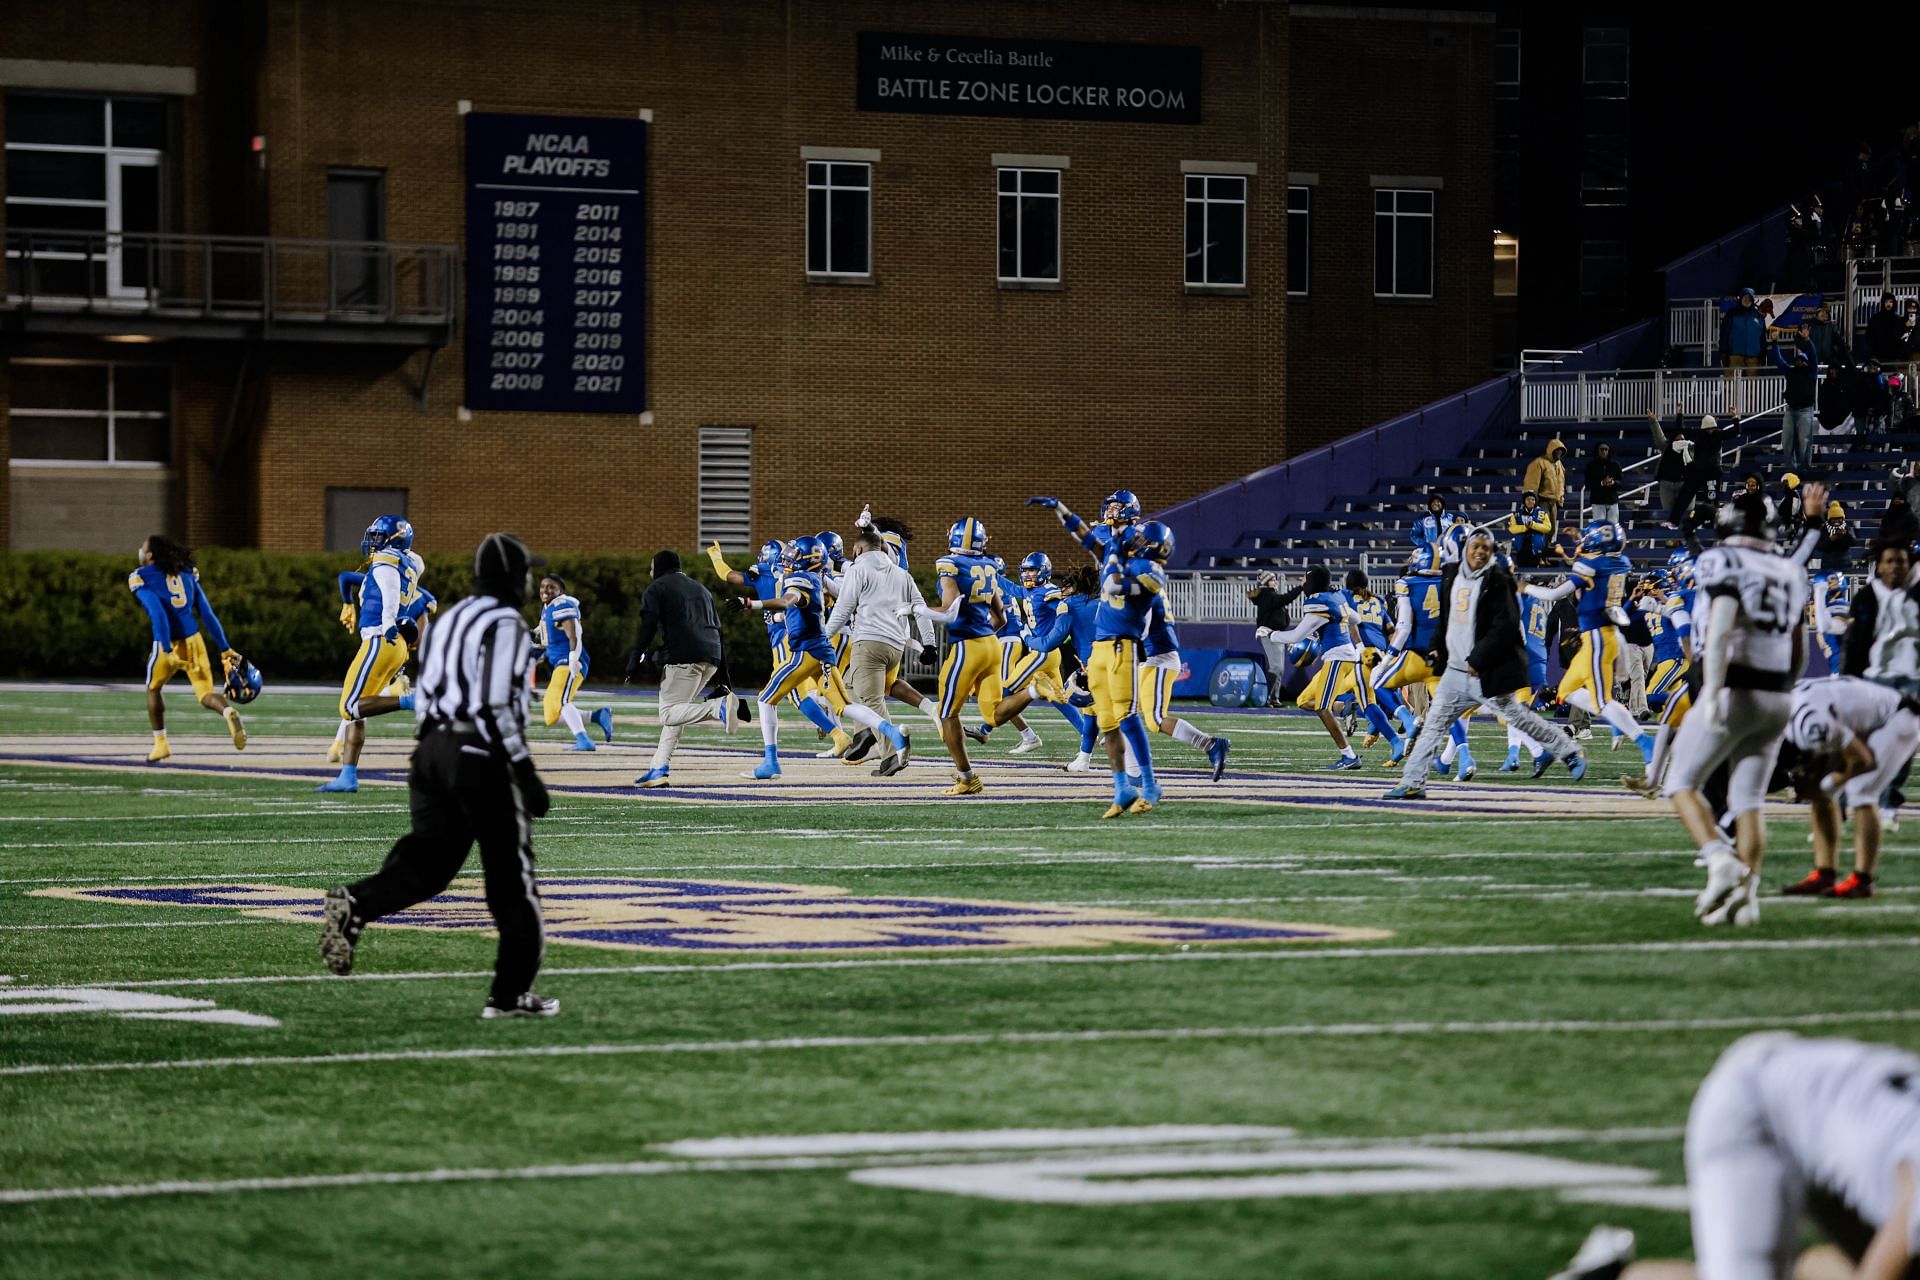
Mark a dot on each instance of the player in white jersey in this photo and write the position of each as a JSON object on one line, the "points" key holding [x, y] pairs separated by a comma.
{"points": [[1856, 735], [1755, 649]]}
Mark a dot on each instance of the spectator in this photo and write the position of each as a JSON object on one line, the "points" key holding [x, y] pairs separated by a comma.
{"points": [[1671, 476], [1802, 395], [1547, 478], [1603, 485], [1886, 339], [1269, 623], [1530, 527], [1750, 483], [1792, 519], [1801, 235], [1828, 340], [1430, 533], [1836, 538], [1909, 336], [1872, 402], [1702, 485], [1743, 333], [1901, 523]]}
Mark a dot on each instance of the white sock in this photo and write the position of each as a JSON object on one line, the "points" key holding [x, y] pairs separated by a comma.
{"points": [[1028, 734], [1527, 744], [1348, 753], [340, 734], [862, 714], [571, 717], [931, 710], [1132, 761], [1583, 699], [769, 724], [1448, 752], [159, 734], [1185, 732], [1620, 718]]}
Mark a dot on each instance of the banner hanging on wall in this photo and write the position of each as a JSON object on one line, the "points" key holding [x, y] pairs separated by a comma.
{"points": [[1038, 79]]}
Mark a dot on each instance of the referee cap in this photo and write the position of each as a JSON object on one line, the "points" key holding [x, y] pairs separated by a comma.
{"points": [[503, 561]]}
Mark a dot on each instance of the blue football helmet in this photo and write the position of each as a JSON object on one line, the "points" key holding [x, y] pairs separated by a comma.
{"points": [[243, 682], [1040, 566], [772, 552], [807, 554], [387, 533], [834, 549], [1128, 504], [1155, 541], [967, 535], [1603, 537]]}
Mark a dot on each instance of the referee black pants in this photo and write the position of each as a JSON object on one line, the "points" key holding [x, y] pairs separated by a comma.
{"points": [[460, 792]]}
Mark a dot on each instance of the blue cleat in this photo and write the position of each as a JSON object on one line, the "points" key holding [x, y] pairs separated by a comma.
{"points": [[1218, 754], [1577, 765], [1399, 751], [1464, 767], [603, 718], [1346, 764], [347, 783], [1407, 791], [1645, 743], [581, 742], [1133, 783], [1541, 763], [652, 778], [1513, 761], [768, 767], [1151, 792]]}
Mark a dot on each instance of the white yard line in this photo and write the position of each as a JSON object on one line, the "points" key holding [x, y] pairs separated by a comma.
{"points": [[1621, 1026], [698, 969], [965, 1151], [135, 924]]}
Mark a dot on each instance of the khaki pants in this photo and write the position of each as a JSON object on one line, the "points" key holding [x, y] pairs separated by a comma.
{"points": [[681, 705], [871, 669]]}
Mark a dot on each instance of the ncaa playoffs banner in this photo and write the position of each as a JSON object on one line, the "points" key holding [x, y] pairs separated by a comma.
{"points": [[1037, 79], [556, 264]]}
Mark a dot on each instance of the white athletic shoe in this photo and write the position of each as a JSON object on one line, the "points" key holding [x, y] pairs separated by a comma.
{"points": [[1889, 822], [1585, 735], [1025, 745], [1726, 877], [1606, 1251], [1081, 763]]}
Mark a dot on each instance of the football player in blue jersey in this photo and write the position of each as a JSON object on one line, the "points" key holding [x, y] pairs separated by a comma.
{"points": [[994, 691], [167, 585], [1598, 581], [1160, 671], [1536, 617], [1370, 614], [1130, 585], [971, 607], [809, 654], [1672, 600], [1328, 616], [564, 647], [1118, 513], [1032, 669], [1831, 611], [415, 605], [387, 584]]}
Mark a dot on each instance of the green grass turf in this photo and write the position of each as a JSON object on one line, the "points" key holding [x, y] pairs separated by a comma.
{"points": [[1436, 881]]}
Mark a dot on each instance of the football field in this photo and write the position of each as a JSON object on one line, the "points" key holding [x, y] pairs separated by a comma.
{"points": [[841, 1027]]}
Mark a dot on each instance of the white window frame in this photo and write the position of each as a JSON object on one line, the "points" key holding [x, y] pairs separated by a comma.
{"points": [[1019, 193], [1507, 38], [1587, 45], [1394, 215], [725, 491], [1206, 200], [112, 158], [1306, 238], [112, 415], [830, 186]]}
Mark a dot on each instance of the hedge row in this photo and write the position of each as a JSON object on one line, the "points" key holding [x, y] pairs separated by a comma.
{"points": [[69, 613]]}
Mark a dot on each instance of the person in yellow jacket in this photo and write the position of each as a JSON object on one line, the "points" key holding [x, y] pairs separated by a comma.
{"points": [[1547, 478], [1530, 527]]}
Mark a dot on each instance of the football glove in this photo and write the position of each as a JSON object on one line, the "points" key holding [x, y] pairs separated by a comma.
{"points": [[719, 560], [928, 653], [1050, 504], [348, 614], [230, 658], [736, 604]]}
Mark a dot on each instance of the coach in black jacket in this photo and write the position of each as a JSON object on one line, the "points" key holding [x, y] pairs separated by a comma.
{"points": [[1482, 658]]}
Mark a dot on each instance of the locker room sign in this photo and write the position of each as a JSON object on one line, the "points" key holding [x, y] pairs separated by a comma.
{"points": [[726, 916], [1032, 79], [556, 264]]}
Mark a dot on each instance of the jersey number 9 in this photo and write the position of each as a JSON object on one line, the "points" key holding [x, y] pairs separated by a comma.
{"points": [[177, 590]]}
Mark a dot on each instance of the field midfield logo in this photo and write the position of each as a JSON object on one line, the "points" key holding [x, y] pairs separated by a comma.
{"points": [[643, 914]]}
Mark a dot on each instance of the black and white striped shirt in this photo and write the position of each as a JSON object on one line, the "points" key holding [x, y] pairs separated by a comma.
{"points": [[474, 674]]}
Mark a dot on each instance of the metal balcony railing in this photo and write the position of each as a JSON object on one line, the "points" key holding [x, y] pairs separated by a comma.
{"points": [[1633, 393], [278, 287]]}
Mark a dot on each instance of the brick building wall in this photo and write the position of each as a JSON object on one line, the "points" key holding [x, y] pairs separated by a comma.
{"points": [[930, 392], [1383, 94]]}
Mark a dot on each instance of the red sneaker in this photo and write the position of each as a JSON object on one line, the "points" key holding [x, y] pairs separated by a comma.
{"points": [[1852, 887], [1819, 882]]}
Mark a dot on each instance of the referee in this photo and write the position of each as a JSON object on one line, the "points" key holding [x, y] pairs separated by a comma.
{"points": [[471, 779]]}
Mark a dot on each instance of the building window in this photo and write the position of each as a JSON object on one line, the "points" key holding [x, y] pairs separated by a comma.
{"points": [[1603, 169], [1030, 224], [839, 218], [1216, 229], [1604, 60], [1299, 240], [77, 169], [1506, 62], [726, 487], [350, 511], [1603, 268], [77, 413], [1506, 265], [1402, 243]]}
